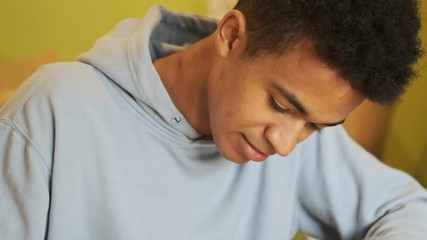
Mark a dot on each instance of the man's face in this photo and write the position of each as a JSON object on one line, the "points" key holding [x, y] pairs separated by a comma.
{"points": [[268, 104]]}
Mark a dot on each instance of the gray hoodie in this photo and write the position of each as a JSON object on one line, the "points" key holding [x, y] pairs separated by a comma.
{"points": [[95, 149]]}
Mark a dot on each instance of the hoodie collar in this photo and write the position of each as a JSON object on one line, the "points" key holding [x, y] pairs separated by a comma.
{"points": [[127, 53]]}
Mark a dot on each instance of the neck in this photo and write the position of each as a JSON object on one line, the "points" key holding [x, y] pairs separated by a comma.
{"points": [[185, 75]]}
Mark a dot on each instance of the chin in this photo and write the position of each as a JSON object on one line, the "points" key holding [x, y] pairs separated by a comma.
{"points": [[234, 157], [227, 149]]}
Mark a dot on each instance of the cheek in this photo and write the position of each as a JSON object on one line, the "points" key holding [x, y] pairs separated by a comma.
{"points": [[224, 105], [218, 114], [222, 114]]}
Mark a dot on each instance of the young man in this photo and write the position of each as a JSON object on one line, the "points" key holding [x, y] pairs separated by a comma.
{"points": [[176, 126]]}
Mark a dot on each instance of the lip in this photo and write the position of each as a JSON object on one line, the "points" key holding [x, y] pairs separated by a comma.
{"points": [[252, 152]]}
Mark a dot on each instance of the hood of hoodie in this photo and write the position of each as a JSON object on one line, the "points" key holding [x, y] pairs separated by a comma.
{"points": [[126, 54]]}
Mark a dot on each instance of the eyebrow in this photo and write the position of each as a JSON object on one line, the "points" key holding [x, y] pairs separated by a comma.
{"points": [[299, 106], [291, 98]]}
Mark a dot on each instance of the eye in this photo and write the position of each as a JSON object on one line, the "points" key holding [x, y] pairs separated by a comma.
{"points": [[277, 107]]}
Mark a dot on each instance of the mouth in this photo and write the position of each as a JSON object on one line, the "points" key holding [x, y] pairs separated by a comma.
{"points": [[252, 152]]}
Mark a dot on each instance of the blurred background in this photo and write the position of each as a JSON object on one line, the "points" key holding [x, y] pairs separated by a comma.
{"points": [[38, 32], [33, 33]]}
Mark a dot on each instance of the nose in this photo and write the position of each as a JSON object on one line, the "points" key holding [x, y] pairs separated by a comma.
{"points": [[285, 136]]}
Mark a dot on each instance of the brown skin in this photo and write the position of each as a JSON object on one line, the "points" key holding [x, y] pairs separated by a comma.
{"points": [[234, 99]]}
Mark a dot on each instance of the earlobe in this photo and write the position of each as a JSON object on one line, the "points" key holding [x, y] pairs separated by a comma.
{"points": [[230, 33]]}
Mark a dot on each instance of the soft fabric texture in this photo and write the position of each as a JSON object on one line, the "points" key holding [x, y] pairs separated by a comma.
{"points": [[95, 149]]}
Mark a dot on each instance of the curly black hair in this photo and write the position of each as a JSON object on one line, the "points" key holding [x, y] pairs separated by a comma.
{"points": [[373, 44]]}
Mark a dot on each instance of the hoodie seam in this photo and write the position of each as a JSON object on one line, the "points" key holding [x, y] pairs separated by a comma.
{"points": [[24, 99], [17, 130]]}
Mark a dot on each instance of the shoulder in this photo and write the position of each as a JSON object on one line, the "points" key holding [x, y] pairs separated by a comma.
{"points": [[51, 97], [62, 79], [53, 83]]}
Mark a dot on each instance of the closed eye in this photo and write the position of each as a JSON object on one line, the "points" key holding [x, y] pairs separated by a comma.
{"points": [[277, 107]]}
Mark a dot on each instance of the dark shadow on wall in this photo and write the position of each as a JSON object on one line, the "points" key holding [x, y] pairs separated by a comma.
{"points": [[421, 171]]}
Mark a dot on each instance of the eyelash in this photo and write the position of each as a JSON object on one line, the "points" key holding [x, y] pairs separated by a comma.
{"points": [[279, 109], [276, 106]]}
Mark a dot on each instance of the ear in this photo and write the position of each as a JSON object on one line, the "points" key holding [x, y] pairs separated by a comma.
{"points": [[231, 33]]}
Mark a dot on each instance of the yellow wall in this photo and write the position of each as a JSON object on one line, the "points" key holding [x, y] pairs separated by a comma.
{"points": [[406, 145], [29, 28]]}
